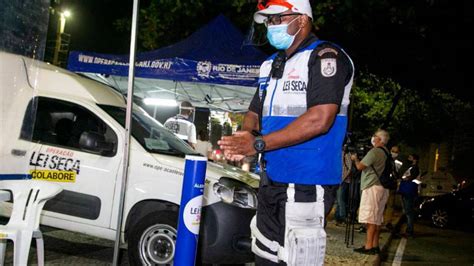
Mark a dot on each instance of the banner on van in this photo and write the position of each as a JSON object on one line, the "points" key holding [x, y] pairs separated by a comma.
{"points": [[54, 175]]}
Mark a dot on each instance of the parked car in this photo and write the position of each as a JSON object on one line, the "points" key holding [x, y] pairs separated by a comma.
{"points": [[60, 127], [451, 209]]}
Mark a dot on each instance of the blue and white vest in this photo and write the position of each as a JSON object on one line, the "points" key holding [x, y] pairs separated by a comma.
{"points": [[318, 160]]}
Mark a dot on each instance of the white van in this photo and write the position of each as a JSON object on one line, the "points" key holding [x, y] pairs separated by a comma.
{"points": [[76, 138], [437, 183]]}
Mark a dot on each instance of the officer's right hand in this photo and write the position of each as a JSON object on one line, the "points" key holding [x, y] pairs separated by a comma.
{"points": [[240, 143]]}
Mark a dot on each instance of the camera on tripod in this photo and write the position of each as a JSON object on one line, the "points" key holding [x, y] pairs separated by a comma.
{"points": [[358, 149]]}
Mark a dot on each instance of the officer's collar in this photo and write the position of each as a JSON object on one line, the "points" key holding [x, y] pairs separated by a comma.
{"points": [[311, 38]]}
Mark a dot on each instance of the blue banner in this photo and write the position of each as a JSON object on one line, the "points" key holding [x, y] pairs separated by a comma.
{"points": [[215, 53], [177, 69]]}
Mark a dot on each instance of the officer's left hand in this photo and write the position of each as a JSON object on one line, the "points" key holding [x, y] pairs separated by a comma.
{"points": [[240, 143], [234, 157]]}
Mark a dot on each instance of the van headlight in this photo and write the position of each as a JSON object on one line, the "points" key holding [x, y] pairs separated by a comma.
{"points": [[235, 193]]}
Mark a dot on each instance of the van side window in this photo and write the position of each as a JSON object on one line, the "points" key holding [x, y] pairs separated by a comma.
{"points": [[69, 125]]}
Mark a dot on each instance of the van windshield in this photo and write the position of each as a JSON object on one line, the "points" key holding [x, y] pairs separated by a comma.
{"points": [[151, 134]]}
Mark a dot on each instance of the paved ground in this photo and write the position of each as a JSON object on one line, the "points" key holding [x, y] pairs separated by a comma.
{"points": [[68, 248], [339, 253], [432, 246]]}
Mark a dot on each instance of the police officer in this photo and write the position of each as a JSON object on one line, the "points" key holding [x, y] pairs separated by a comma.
{"points": [[182, 124], [296, 123]]}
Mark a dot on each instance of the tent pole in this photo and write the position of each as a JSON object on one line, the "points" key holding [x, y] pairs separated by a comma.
{"points": [[185, 92], [128, 123], [202, 91]]}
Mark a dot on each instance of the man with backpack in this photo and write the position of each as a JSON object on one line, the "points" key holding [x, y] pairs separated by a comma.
{"points": [[374, 191]]}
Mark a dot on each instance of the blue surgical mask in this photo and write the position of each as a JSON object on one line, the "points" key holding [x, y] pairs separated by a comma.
{"points": [[278, 36]]}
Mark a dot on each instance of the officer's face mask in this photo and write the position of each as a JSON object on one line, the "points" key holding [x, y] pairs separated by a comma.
{"points": [[278, 36], [394, 155]]}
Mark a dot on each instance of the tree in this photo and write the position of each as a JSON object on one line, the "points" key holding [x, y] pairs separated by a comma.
{"points": [[417, 119], [164, 22], [391, 40]]}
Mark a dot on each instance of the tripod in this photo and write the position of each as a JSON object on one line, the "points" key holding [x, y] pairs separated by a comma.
{"points": [[354, 192]]}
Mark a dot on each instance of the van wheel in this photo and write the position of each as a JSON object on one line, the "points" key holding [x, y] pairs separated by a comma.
{"points": [[152, 241]]}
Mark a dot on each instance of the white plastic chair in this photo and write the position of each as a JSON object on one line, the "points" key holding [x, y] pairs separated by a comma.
{"points": [[29, 197]]}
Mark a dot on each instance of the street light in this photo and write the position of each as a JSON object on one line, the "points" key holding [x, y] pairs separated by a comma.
{"points": [[61, 24], [67, 13]]}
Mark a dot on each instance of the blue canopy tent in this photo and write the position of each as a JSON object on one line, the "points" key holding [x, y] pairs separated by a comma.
{"points": [[211, 68]]}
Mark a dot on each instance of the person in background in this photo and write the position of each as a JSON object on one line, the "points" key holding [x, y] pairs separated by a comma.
{"points": [[413, 170], [409, 190], [394, 151], [182, 125], [374, 195], [203, 146], [343, 191]]}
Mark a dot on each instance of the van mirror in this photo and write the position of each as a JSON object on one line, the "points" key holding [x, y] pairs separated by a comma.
{"points": [[94, 142]]}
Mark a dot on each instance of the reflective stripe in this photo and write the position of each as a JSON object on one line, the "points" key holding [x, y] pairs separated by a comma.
{"points": [[14, 176], [271, 100], [290, 192], [301, 223], [272, 245], [319, 193], [263, 254]]}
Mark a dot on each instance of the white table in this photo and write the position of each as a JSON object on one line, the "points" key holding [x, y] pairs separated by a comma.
{"points": [[4, 195]]}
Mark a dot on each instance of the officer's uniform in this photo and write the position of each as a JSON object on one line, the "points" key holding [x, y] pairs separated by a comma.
{"points": [[182, 128], [317, 73]]}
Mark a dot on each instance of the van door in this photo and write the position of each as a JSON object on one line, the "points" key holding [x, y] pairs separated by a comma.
{"points": [[79, 151], [21, 146], [15, 137]]}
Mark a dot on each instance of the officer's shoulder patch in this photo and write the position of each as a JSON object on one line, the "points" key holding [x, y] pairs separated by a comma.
{"points": [[328, 67], [327, 50]]}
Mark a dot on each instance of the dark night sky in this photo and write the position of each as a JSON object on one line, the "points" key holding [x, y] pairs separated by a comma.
{"points": [[442, 59]]}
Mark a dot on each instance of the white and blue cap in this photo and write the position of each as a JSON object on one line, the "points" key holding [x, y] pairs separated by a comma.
{"points": [[273, 7]]}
